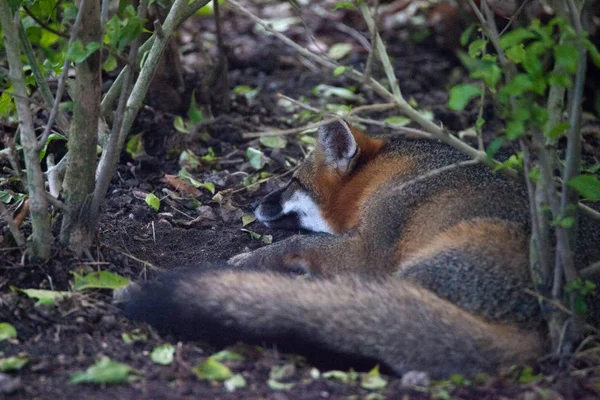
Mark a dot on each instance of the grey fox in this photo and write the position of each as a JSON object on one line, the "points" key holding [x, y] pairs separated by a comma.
{"points": [[417, 274]]}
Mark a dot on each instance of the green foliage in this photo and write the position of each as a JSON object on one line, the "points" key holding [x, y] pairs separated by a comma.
{"points": [[12, 363], [53, 136], [339, 51], [134, 145], [44, 297], [212, 369], [163, 355], [339, 70], [274, 142], [531, 51], [461, 95], [99, 280], [7, 331], [153, 201], [373, 380], [105, 371], [397, 121], [588, 186], [582, 289]]}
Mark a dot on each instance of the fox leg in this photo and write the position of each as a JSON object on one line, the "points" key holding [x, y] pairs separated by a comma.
{"points": [[393, 322], [318, 255]]}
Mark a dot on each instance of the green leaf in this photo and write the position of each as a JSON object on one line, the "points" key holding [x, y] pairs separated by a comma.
{"points": [[516, 53], [346, 377], [134, 145], [339, 70], [246, 91], [567, 56], [561, 79], [45, 297], [275, 385], [12, 363], [7, 331], [208, 186], [253, 235], [557, 130], [373, 380], [51, 137], [256, 157], [227, 355], [489, 72], [163, 355], [6, 196], [153, 201], [179, 125], [235, 382], [331, 91], [194, 112], [588, 186], [593, 50], [348, 5], [187, 159], [527, 376], [339, 51], [494, 146], [518, 85], [274, 142], [247, 219], [461, 95], [477, 47], [99, 280], [105, 371], [464, 38], [78, 54], [516, 36], [212, 369], [514, 129], [267, 239], [130, 337], [110, 64], [397, 121]]}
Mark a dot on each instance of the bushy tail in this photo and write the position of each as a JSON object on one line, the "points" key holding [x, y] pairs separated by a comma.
{"points": [[396, 323]]}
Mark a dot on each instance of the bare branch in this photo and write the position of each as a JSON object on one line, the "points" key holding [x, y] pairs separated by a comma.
{"points": [[61, 82], [40, 245]]}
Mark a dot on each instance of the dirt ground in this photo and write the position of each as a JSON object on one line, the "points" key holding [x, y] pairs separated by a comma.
{"points": [[135, 241]]}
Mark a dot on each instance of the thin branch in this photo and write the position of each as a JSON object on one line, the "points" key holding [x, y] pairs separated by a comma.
{"points": [[105, 168], [381, 50], [434, 172], [61, 120], [512, 19], [40, 244], [55, 202], [61, 82], [43, 24], [591, 271]]}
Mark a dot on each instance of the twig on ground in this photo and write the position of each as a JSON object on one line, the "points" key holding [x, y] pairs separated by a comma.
{"points": [[143, 262]]}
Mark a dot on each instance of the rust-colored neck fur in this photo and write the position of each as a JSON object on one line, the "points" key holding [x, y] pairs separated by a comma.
{"points": [[343, 196]]}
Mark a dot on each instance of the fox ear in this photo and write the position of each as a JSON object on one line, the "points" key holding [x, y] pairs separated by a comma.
{"points": [[338, 146]]}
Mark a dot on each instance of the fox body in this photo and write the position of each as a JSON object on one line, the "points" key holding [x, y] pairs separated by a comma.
{"points": [[421, 263]]}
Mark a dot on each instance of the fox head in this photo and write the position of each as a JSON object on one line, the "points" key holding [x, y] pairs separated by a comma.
{"points": [[303, 202]]}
